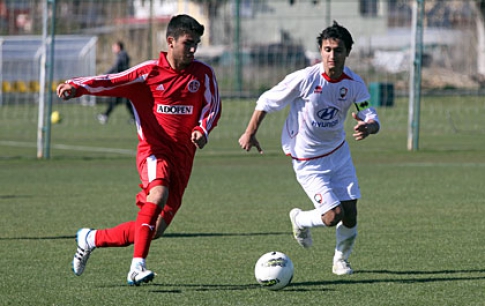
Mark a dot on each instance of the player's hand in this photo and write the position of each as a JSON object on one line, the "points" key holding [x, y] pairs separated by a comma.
{"points": [[360, 129], [66, 91], [198, 139], [247, 141]]}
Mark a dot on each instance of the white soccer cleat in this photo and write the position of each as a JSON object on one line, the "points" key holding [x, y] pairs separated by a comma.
{"points": [[102, 118], [139, 275], [302, 235], [83, 251], [342, 267]]}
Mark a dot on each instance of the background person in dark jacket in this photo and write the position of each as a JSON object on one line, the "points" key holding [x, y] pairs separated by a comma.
{"points": [[121, 63]]}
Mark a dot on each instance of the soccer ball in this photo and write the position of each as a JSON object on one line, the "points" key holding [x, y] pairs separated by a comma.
{"points": [[274, 270]]}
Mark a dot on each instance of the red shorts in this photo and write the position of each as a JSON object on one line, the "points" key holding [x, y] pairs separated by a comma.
{"points": [[162, 172]]}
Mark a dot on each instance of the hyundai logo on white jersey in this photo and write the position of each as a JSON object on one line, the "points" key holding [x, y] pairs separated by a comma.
{"points": [[327, 113], [175, 109]]}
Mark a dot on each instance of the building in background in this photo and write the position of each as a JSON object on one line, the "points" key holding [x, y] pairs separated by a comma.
{"points": [[272, 37]]}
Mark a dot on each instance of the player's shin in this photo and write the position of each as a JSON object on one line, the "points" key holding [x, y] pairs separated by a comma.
{"points": [[144, 228], [119, 236], [345, 241], [310, 218]]}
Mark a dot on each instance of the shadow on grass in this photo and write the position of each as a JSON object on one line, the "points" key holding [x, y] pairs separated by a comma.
{"points": [[216, 287], [192, 235], [418, 272], [13, 196], [319, 286], [39, 238], [403, 280], [166, 236], [171, 288]]}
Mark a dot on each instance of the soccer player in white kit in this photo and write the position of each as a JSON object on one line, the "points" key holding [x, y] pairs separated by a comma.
{"points": [[313, 136]]}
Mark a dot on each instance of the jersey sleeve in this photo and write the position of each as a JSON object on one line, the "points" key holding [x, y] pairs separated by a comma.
{"points": [[114, 85], [365, 111], [281, 94], [211, 110]]}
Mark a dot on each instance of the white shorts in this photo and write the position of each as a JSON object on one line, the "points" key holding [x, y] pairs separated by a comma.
{"points": [[328, 180]]}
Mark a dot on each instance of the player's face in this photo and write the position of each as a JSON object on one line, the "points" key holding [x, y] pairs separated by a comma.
{"points": [[182, 50], [333, 54]]}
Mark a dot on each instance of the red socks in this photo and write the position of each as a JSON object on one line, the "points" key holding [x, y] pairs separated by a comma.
{"points": [[119, 236], [127, 233], [144, 228]]}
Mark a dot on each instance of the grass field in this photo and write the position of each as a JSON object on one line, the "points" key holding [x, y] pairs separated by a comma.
{"points": [[420, 217]]}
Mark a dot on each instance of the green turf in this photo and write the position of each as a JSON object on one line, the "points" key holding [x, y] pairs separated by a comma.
{"points": [[420, 220]]}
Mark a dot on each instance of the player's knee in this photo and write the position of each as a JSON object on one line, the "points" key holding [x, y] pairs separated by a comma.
{"points": [[333, 216], [158, 195]]}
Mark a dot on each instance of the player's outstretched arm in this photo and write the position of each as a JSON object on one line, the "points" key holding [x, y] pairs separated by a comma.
{"points": [[66, 91], [248, 138]]}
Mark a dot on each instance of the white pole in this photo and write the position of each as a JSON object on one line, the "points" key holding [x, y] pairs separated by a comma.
{"points": [[480, 44], [40, 121], [415, 75], [1, 71]]}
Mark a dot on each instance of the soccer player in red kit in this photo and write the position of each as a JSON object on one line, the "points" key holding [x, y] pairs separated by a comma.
{"points": [[176, 104]]}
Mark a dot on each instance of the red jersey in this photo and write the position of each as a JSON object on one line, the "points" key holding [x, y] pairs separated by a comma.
{"points": [[168, 104]]}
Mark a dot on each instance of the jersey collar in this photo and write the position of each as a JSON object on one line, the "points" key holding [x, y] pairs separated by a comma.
{"points": [[344, 76], [162, 60], [163, 63]]}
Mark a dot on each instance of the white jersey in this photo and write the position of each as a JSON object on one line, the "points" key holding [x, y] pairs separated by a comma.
{"points": [[318, 108]]}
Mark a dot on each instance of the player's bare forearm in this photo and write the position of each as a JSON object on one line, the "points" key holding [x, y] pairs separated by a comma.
{"points": [[248, 138]]}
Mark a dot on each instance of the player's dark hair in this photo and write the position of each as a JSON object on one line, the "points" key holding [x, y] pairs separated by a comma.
{"points": [[120, 44], [336, 31], [183, 24]]}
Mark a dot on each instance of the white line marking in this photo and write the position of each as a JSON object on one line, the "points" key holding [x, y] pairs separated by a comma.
{"points": [[69, 147]]}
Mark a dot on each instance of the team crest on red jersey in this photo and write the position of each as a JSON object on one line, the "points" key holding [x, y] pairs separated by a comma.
{"points": [[193, 86]]}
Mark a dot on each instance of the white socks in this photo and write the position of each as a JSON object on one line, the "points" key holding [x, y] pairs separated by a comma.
{"points": [[309, 218], [91, 239], [136, 261], [345, 241], [345, 237]]}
